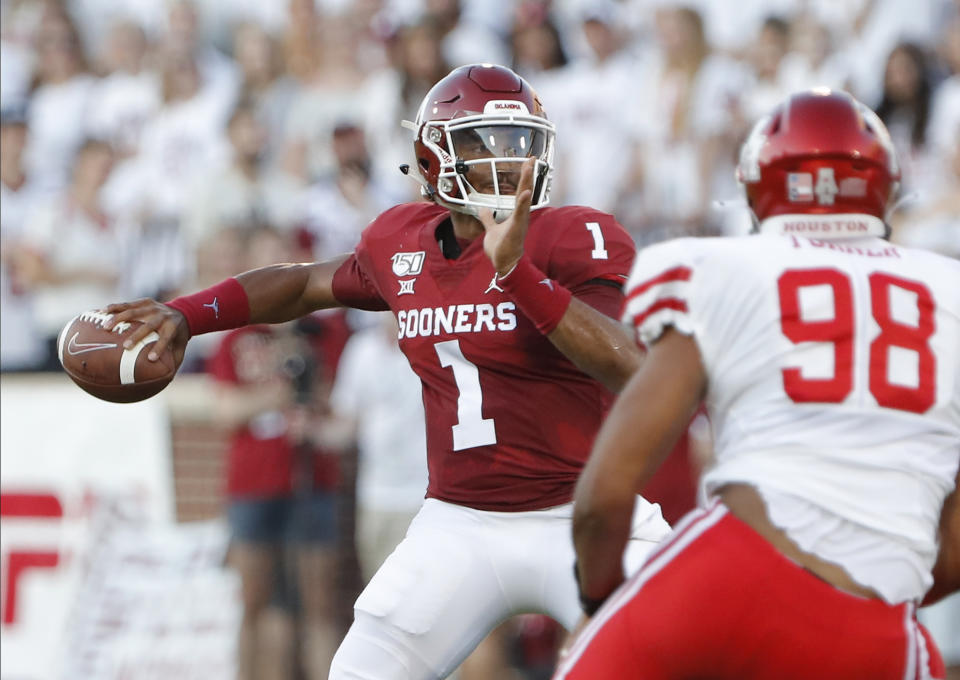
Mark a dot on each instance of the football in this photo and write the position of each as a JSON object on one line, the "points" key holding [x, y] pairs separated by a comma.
{"points": [[95, 359]]}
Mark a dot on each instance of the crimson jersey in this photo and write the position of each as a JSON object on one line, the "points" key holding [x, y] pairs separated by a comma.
{"points": [[510, 420]]}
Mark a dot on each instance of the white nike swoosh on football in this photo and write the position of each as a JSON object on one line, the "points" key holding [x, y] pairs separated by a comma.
{"points": [[74, 348]]}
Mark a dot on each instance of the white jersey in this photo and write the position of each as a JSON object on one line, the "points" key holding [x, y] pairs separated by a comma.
{"points": [[833, 372]]}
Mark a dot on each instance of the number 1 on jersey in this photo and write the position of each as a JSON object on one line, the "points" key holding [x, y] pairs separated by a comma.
{"points": [[472, 429], [599, 252]]}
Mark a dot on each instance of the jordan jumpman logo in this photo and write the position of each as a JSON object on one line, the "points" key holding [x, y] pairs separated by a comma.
{"points": [[214, 306]]}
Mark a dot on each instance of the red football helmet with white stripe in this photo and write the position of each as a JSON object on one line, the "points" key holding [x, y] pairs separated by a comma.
{"points": [[819, 152], [473, 131]]}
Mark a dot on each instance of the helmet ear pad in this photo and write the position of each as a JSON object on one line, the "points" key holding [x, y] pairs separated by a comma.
{"points": [[429, 167]]}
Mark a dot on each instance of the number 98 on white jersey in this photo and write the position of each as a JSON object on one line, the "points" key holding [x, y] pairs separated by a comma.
{"points": [[833, 368]]}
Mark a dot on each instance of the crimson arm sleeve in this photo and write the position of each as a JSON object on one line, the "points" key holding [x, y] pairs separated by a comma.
{"points": [[353, 288], [604, 296]]}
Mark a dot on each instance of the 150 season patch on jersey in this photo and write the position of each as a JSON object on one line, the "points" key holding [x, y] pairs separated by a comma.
{"points": [[408, 264]]}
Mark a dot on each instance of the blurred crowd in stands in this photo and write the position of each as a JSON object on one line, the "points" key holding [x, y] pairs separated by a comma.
{"points": [[155, 146], [143, 140]]}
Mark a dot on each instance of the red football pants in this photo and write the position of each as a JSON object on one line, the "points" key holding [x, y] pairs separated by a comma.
{"points": [[717, 601]]}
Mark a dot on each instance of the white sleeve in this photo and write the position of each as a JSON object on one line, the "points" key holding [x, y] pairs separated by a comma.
{"points": [[659, 291], [715, 290], [40, 233]]}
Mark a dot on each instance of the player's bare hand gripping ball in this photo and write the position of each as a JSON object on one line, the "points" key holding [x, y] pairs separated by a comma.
{"points": [[168, 323]]}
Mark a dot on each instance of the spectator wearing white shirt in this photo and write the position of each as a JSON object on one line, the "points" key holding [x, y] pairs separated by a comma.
{"points": [[129, 95], [231, 196], [264, 82], [686, 119], [21, 345], [341, 205], [59, 104], [536, 43], [301, 40], [74, 253], [945, 107], [877, 29], [182, 144], [592, 96], [905, 109], [466, 40], [731, 32], [933, 222], [15, 65], [332, 92], [394, 93], [766, 56], [218, 72], [813, 60]]}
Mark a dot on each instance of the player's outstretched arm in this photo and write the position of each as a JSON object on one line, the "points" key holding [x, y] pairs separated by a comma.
{"points": [[598, 345], [643, 425], [285, 292], [273, 294]]}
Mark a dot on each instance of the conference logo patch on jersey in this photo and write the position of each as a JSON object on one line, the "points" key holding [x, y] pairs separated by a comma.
{"points": [[406, 286], [800, 187], [408, 264]]}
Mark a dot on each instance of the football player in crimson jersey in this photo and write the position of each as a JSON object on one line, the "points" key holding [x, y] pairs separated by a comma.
{"points": [[828, 362], [504, 307]]}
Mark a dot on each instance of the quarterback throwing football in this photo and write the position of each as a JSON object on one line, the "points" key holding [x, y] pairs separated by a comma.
{"points": [[504, 308]]}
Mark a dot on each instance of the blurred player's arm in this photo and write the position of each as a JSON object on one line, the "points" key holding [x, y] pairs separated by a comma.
{"points": [[646, 420], [946, 571]]}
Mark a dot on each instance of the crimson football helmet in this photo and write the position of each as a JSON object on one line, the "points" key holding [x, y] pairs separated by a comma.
{"points": [[819, 152], [473, 131]]}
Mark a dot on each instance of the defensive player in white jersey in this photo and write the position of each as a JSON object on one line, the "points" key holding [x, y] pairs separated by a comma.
{"points": [[829, 361]]}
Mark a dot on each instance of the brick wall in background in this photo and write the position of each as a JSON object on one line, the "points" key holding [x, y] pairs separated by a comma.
{"points": [[198, 470], [198, 447]]}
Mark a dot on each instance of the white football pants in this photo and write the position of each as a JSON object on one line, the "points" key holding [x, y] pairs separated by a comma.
{"points": [[458, 573]]}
